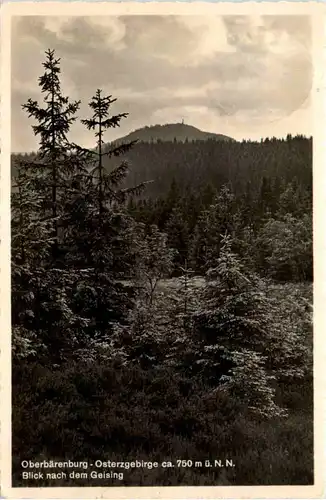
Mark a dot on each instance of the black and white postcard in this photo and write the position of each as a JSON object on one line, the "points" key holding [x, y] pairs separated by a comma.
{"points": [[162, 196]]}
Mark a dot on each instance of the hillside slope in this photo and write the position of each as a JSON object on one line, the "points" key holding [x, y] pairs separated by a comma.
{"points": [[170, 132]]}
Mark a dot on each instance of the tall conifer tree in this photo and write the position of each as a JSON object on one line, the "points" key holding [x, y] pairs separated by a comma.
{"points": [[54, 121]]}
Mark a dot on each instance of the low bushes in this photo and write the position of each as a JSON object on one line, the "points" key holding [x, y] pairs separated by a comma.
{"points": [[87, 412]]}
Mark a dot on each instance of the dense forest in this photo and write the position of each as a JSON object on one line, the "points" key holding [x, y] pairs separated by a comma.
{"points": [[161, 301]]}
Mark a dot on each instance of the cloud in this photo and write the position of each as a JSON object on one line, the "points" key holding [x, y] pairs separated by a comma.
{"points": [[238, 73]]}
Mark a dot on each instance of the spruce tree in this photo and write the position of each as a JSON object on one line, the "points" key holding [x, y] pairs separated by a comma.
{"points": [[234, 327], [100, 122], [107, 219], [104, 230], [31, 234], [43, 320], [42, 293], [54, 121], [213, 222], [178, 235], [30, 248]]}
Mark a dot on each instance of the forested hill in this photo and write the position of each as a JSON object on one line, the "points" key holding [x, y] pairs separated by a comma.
{"points": [[197, 163], [179, 132], [173, 132]]}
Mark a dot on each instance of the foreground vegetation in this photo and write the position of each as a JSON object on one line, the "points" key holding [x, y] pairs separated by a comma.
{"points": [[102, 407], [157, 330], [103, 411]]}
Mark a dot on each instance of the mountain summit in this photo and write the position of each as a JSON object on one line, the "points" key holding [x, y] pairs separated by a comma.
{"points": [[170, 132]]}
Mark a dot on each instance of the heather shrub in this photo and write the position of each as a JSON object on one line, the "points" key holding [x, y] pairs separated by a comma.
{"points": [[158, 414]]}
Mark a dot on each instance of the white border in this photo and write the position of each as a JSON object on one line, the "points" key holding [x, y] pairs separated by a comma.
{"points": [[317, 11]]}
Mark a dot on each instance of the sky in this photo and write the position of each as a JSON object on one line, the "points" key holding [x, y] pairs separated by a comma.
{"points": [[248, 77]]}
